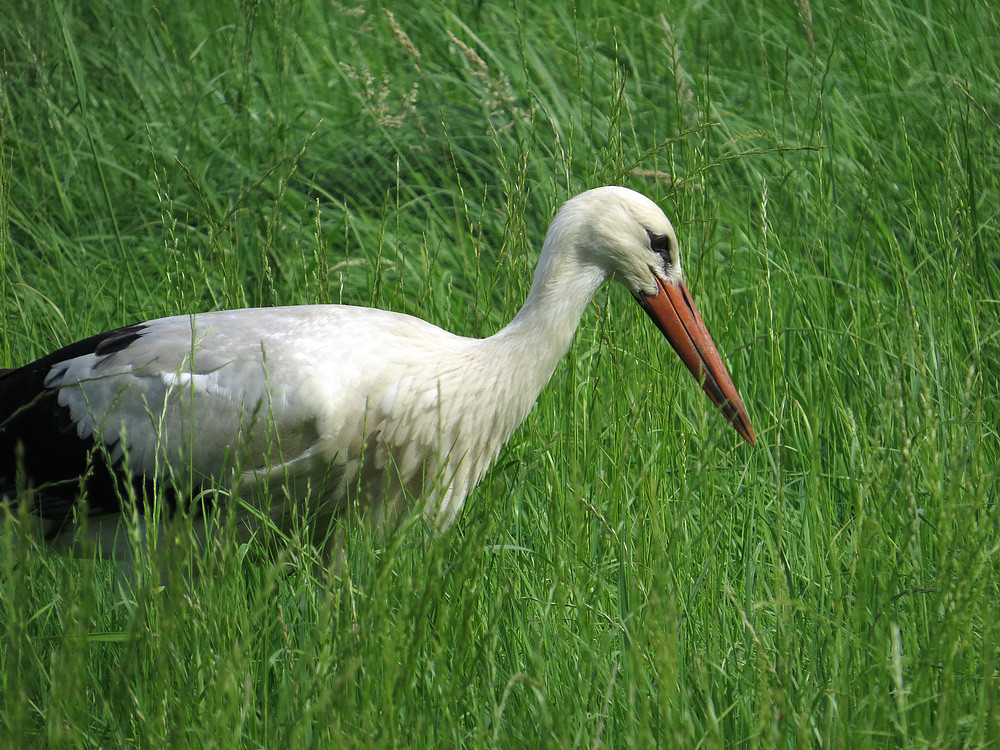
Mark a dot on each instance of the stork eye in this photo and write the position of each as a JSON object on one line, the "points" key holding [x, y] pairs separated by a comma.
{"points": [[660, 243]]}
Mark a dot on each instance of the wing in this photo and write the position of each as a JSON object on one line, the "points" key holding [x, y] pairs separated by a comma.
{"points": [[166, 401], [38, 445]]}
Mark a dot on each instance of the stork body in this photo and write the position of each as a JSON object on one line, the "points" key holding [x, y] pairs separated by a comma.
{"points": [[326, 404]]}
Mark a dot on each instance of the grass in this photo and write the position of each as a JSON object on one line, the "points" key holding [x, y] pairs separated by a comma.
{"points": [[629, 574]]}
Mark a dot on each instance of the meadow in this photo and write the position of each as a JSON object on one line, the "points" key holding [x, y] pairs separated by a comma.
{"points": [[630, 573]]}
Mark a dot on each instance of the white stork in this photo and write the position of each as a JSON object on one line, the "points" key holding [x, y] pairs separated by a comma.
{"points": [[323, 405]]}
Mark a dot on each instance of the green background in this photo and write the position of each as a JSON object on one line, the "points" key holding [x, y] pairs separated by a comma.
{"points": [[630, 574]]}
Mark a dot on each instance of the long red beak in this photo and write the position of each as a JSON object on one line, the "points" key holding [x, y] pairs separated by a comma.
{"points": [[674, 313]]}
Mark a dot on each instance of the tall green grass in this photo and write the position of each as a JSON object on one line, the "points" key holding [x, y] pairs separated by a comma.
{"points": [[629, 574]]}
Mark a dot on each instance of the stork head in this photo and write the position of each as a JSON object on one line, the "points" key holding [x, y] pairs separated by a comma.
{"points": [[629, 239]]}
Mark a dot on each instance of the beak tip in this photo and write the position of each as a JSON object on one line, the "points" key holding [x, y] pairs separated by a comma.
{"points": [[741, 423]]}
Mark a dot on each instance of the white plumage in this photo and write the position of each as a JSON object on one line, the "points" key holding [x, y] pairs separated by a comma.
{"points": [[315, 402]]}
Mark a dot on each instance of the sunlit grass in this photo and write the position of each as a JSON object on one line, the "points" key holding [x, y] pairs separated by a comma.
{"points": [[629, 574]]}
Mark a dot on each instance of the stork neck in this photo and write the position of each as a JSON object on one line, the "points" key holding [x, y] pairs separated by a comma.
{"points": [[542, 331]]}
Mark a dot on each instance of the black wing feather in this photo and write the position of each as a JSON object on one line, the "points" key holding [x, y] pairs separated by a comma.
{"points": [[40, 447]]}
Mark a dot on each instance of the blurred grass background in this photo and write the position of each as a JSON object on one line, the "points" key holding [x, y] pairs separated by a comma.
{"points": [[629, 574]]}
